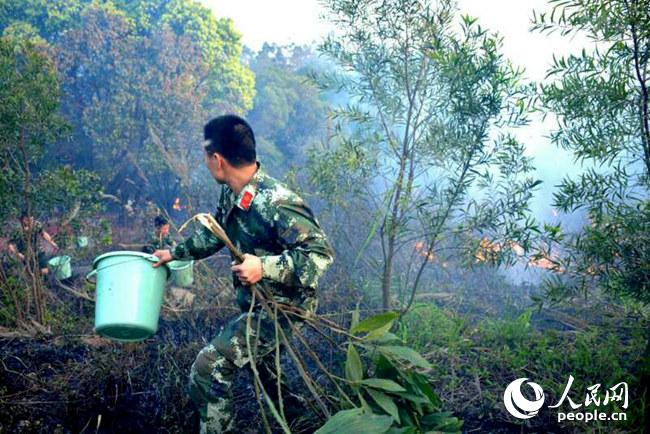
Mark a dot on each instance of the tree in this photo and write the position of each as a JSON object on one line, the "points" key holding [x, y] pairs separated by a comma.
{"points": [[29, 92], [288, 115], [139, 80], [137, 101], [601, 102], [30, 120], [427, 134]]}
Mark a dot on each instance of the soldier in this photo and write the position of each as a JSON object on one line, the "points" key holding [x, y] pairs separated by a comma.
{"points": [[30, 231], [161, 238], [284, 249]]}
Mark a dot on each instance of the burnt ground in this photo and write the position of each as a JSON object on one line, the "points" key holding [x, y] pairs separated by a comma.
{"points": [[72, 381]]}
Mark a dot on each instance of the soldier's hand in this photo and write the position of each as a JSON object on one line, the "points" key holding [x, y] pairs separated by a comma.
{"points": [[164, 256], [249, 271]]}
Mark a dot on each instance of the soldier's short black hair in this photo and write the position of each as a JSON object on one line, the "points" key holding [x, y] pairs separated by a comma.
{"points": [[160, 221], [232, 137]]}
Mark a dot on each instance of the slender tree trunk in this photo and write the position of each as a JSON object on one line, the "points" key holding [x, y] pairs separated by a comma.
{"points": [[639, 70], [31, 253], [645, 383], [387, 274]]}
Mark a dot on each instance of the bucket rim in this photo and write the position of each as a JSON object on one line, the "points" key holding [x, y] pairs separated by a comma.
{"points": [[64, 258], [146, 256], [179, 264]]}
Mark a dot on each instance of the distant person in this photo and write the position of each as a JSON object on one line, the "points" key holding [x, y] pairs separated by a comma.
{"points": [[31, 231], [284, 247], [161, 238]]}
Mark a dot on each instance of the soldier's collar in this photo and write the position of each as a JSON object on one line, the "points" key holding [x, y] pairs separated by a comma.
{"points": [[247, 194]]}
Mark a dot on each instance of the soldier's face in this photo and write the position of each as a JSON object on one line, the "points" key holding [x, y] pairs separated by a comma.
{"points": [[214, 163], [27, 222]]}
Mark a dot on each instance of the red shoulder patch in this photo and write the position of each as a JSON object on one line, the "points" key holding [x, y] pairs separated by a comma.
{"points": [[246, 200]]}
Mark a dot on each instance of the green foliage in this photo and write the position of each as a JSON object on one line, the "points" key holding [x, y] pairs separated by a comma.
{"points": [[474, 360], [64, 190], [394, 395], [29, 92], [600, 98], [230, 84], [356, 420], [423, 149], [288, 113], [138, 81], [32, 182]]}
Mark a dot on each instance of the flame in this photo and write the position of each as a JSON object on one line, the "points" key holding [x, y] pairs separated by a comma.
{"points": [[486, 250], [419, 247], [547, 263], [177, 204], [519, 251]]}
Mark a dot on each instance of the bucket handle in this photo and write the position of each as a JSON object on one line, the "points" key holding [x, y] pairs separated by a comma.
{"points": [[152, 258], [93, 273]]}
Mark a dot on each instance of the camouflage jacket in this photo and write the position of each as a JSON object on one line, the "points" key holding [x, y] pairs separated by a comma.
{"points": [[20, 236], [156, 243], [268, 220]]}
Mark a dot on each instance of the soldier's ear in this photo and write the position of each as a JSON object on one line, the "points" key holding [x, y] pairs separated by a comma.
{"points": [[222, 161]]}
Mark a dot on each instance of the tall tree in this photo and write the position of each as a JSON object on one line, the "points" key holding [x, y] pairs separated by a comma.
{"points": [[600, 98], [140, 78], [601, 102], [29, 92], [138, 101], [427, 147], [29, 119]]}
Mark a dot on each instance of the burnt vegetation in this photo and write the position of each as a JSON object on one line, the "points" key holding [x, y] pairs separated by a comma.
{"points": [[400, 130]]}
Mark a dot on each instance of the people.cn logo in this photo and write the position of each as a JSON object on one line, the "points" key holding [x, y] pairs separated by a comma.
{"points": [[520, 406]]}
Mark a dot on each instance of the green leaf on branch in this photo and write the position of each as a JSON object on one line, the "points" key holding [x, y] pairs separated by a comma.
{"points": [[356, 421], [385, 402], [379, 334], [353, 365], [375, 322], [380, 383], [406, 354], [441, 422]]}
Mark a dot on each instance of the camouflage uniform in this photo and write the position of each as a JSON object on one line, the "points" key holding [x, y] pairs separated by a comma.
{"points": [[18, 240], [269, 221], [157, 242]]}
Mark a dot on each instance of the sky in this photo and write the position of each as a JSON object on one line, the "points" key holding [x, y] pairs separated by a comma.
{"points": [[279, 21], [300, 22]]}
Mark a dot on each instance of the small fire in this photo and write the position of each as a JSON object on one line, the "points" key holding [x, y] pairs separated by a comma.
{"points": [[177, 204], [419, 247], [547, 263], [487, 250], [519, 251]]}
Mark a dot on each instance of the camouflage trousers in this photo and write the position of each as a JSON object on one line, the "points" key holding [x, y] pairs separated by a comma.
{"points": [[213, 371]]}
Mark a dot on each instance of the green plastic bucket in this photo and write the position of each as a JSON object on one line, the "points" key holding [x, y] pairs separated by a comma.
{"points": [[129, 295], [61, 267], [82, 242], [182, 272]]}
